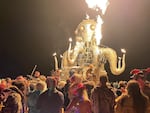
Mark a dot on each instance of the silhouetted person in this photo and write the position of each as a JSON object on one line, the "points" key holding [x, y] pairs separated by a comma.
{"points": [[52, 100], [134, 101], [102, 97], [80, 103], [33, 97]]}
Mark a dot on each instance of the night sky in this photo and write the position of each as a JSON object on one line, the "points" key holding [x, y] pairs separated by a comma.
{"points": [[32, 30]]}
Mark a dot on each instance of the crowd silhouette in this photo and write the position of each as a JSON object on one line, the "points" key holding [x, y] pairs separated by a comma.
{"points": [[48, 94]]}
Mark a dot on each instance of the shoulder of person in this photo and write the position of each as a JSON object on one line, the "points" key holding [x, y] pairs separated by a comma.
{"points": [[34, 94], [14, 98], [111, 90], [96, 88], [121, 98], [44, 93], [58, 92], [87, 101]]}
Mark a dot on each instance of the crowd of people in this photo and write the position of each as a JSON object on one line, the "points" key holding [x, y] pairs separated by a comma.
{"points": [[47, 94]]}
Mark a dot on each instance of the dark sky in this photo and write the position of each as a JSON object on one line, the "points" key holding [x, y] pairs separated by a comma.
{"points": [[32, 30]]}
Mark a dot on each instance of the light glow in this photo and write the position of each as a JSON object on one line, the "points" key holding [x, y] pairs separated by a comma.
{"points": [[61, 56], [70, 39], [123, 51], [98, 30], [87, 16], [70, 45], [56, 61], [102, 6], [54, 54], [95, 4], [97, 51]]}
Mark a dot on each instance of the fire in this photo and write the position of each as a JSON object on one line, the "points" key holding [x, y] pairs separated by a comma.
{"points": [[96, 5]]}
